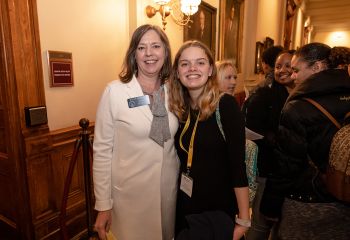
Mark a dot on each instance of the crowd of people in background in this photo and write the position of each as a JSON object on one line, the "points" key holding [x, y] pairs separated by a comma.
{"points": [[262, 112], [169, 145], [301, 154]]}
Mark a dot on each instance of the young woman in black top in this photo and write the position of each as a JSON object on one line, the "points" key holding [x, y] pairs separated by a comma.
{"points": [[213, 175]]}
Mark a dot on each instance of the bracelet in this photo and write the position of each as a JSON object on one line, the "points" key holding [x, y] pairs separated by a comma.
{"points": [[243, 222]]}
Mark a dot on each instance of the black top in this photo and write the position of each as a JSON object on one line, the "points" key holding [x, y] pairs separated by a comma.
{"points": [[304, 130], [217, 165], [304, 133], [262, 113]]}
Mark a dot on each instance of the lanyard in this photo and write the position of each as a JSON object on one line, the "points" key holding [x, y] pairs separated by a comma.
{"points": [[190, 148]]}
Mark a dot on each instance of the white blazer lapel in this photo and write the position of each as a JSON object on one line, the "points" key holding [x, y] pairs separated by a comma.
{"points": [[166, 96]]}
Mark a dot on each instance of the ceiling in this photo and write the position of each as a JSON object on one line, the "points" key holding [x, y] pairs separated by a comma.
{"points": [[328, 15]]}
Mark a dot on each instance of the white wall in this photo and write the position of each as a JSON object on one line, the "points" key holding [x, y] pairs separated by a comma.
{"points": [[298, 29], [333, 38], [268, 20], [263, 18], [96, 32], [249, 40]]}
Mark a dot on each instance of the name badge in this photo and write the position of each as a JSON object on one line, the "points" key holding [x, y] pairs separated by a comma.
{"points": [[186, 184], [138, 101]]}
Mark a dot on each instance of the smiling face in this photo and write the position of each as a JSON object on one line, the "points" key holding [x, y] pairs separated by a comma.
{"points": [[194, 69], [283, 70], [228, 80], [150, 55]]}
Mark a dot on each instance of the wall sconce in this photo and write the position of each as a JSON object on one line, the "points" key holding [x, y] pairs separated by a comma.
{"points": [[180, 10]]}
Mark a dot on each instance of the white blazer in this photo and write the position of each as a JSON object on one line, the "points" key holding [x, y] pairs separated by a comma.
{"points": [[133, 175]]}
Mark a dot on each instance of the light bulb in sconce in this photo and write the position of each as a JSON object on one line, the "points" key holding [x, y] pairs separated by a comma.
{"points": [[189, 7], [189, 10], [180, 10], [161, 2], [191, 2]]}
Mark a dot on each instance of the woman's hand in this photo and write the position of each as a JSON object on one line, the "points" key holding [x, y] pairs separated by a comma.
{"points": [[103, 223], [243, 218], [239, 232]]}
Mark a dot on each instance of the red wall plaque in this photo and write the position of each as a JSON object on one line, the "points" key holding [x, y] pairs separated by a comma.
{"points": [[61, 69]]}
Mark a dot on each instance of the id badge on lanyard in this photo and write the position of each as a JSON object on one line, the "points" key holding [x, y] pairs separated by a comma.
{"points": [[186, 184]]}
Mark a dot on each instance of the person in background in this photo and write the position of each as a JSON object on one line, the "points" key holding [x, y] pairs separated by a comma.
{"points": [[340, 58], [304, 140], [262, 113], [135, 167], [227, 77], [213, 174], [268, 59]]}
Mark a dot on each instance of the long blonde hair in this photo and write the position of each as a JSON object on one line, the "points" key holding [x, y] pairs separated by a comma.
{"points": [[179, 98]]}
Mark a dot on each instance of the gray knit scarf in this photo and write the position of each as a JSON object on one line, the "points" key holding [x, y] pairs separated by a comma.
{"points": [[160, 131]]}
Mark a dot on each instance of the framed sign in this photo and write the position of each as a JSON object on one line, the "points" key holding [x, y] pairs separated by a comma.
{"points": [[202, 26], [60, 68], [231, 30]]}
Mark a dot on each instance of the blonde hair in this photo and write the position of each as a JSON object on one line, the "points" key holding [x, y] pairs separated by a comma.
{"points": [[179, 98], [221, 66]]}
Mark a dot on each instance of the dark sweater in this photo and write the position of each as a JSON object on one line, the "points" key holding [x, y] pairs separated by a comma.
{"points": [[262, 112]]}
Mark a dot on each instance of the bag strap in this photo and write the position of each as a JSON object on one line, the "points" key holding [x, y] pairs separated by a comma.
{"points": [[325, 112], [218, 120], [347, 115]]}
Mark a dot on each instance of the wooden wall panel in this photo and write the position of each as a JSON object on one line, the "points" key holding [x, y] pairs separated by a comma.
{"points": [[40, 180], [27, 60], [46, 177], [7, 211], [33, 160], [9, 227], [21, 85], [3, 148]]}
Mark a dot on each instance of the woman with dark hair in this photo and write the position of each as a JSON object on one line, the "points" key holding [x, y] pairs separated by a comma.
{"points": [[213, 174], [340, 58], [135, 166], [262, 113], [304, 139], [268, 59]]}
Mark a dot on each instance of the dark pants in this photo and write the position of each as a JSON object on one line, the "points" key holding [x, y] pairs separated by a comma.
{"points": [[261, 228]]}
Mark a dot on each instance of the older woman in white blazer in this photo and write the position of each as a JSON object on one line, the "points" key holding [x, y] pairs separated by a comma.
{"points": [[135, 167]]}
